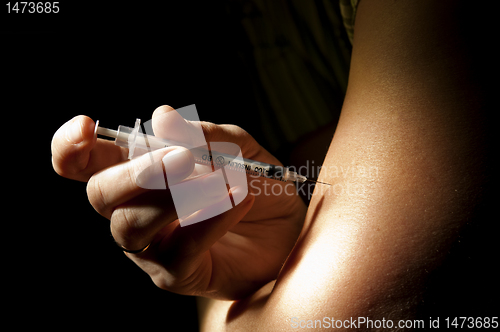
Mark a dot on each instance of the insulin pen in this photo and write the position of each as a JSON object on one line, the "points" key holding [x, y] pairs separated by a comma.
{"points": [[130, 138]]}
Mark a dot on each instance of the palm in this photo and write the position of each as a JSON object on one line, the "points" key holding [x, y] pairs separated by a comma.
{"points": [[247, 256], [253, 251]]}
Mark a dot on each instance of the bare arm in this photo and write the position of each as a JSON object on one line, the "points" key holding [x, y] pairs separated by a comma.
{"points": [[409, 168]]}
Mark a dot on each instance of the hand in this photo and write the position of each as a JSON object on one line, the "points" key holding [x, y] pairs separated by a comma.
{"points": [[228, 256]]}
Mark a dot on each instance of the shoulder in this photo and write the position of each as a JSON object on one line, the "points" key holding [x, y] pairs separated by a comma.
{"points": [[416, 115]]}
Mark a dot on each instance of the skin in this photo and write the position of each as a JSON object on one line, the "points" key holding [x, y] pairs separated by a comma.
{"points": [[368, 253], [201, 259], [415, 120]]}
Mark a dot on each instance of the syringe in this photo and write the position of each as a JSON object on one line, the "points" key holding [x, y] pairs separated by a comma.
{"points": [[131, 138]]}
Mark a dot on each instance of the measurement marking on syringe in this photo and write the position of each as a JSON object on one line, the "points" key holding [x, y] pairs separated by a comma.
{"points": [[130, 138]]}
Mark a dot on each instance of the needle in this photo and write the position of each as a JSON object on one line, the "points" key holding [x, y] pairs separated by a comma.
{"points": [[318, 182]]}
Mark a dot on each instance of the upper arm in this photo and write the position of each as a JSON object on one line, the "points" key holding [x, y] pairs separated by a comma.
{"points": [[408, 164]]}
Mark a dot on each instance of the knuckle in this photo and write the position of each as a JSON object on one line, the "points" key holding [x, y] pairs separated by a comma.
{"points": [[208, 129], [176, 281], [160, 282], [232, 128], [58, 157], [214, 132], [239, 134], [125, 228], [96, 195]]}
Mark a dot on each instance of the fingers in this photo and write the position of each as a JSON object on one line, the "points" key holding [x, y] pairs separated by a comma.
{"points": [[135, 223], [169, 124], [205, 233], [116, 185], [181, 248], [77, 153]]}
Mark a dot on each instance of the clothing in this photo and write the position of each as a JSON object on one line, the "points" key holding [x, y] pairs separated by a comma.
{"points": [[300, 51], [348, 10]]}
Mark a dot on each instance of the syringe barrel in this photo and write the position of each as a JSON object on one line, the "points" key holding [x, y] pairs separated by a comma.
{"points": [[133, 139], [122, 136]]}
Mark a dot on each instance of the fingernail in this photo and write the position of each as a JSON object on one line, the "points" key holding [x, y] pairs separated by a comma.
{"points": [[74, 132], [178, 165]]}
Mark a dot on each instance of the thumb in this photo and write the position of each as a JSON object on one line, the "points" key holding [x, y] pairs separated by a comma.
{"points": [[170, 124], [71, 147]]}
